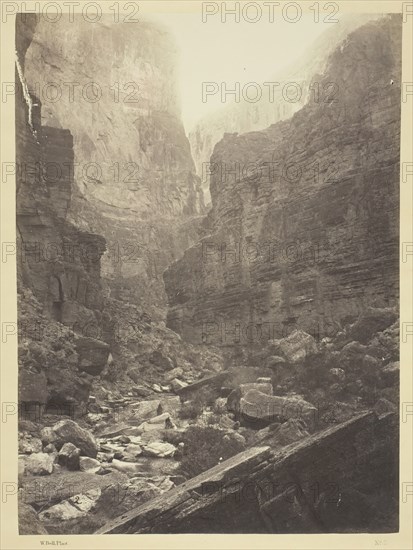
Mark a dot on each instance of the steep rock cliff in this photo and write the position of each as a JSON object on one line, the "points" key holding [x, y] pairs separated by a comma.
{"points": [[304, 232], [113, 86], [58, 265], [290, 94]]}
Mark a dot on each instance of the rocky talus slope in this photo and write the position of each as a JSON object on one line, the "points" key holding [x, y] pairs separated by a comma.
{"points": [[299, 445], [305, 234]]}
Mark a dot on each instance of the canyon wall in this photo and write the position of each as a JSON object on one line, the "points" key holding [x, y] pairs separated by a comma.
{"points": [[113, 86], [58, 265], [290, 92], [304, 225]]}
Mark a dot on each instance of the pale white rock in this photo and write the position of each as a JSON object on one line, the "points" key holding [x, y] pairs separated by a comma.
{"points": [[87, 464], [39, 464], [159, 449]]}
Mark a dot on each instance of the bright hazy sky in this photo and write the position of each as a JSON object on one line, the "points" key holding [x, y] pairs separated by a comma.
{"points": [[232, 52]]}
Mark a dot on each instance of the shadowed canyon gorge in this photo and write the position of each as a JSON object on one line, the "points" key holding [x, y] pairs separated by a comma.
{"points": [[175, 354]]}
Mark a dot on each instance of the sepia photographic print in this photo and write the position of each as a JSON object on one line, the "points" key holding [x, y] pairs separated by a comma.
{"points": [[207, 322]]}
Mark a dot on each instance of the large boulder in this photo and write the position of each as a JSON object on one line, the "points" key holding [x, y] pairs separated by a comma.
{"points": [[295, 347], [69, 456], [68, 431], [258, 406], [370, 322], [74, 507], [93, 355], [234, 397]]}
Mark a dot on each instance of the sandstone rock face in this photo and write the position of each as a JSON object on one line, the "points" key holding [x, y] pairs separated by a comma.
{"points": [[310, 243], [92, 176], [134, 179], [58, 264], [247, 116]]}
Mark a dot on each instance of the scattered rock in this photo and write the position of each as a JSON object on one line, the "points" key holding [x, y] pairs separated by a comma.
{"points": [[87, 464], [50, 448], [125, 467], [233, 400], [73, 508], [391, 373], [174, 373], [47, 435], [159, 449], [163, 421], [295, 347], [135, 375], [178, 385], [69, 456], [161, 360], [279, 435], [93, 355], [384, 406], [274, 362], [145, 410], [29, 444], [337, 374], [131, 452], [39, 464], [141, 391]]}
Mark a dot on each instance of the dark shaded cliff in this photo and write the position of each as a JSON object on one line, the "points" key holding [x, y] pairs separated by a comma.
{"points": [[304, 224], [58, 265], [92, 249]]}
